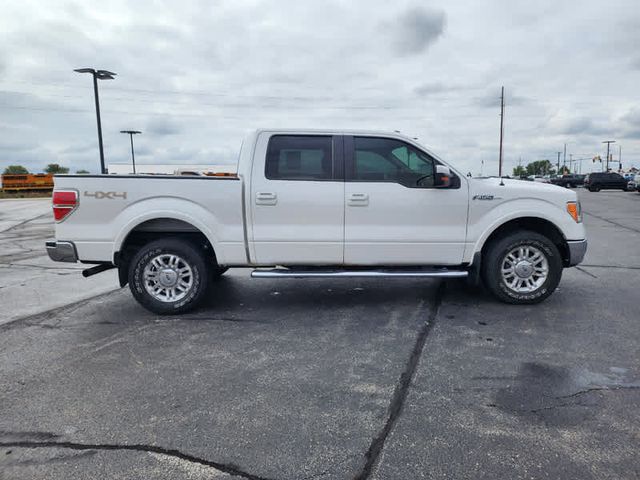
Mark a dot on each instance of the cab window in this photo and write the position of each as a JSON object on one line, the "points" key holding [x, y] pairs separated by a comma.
{"points": [[299, 157], [390, 160]]}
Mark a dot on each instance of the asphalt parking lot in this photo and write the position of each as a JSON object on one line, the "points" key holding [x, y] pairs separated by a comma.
{"points": [[321, 379]]}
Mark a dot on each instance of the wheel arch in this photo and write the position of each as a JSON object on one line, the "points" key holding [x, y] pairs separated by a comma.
{"points": [[155, 228], [536, 224]]}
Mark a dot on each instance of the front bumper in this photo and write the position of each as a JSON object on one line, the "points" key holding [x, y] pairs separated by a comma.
{"points": [[62, 251], [577, 251]]}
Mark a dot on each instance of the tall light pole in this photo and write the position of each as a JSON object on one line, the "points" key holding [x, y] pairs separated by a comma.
{"points": [[608, 142], [501, 131], [98, 75], [131, 133]]}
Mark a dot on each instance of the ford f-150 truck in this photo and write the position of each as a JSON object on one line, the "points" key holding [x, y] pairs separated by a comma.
{"points": [[307, 203]]}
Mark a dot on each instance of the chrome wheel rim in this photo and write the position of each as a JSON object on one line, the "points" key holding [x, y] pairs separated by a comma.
{"points": [[168, 278], [525, 269]]}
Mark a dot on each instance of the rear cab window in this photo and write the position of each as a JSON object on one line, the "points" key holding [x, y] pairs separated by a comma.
{"points": [[300, 157]]}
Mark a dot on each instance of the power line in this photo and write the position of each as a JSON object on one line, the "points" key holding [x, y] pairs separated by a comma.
{"points": [[266, 107]]}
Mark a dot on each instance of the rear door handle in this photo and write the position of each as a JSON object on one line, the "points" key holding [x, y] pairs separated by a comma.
{"points": [[358, 200], [266, 198]]}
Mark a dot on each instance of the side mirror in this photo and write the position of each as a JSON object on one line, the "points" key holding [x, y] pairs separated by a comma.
{"points": [[443, 177]]}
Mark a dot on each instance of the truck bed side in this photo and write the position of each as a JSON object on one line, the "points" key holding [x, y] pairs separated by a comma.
{"points": [[111, 207]]}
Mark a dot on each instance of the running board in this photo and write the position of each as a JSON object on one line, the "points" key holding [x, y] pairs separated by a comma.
{"points": [[292, 273]]}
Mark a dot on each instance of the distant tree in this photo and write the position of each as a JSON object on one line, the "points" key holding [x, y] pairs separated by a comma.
{"points": [[82, 172], [55, 168], [519, 171], [540, 167], [15, 170]]}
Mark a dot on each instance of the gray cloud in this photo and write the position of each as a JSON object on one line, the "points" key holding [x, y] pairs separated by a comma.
{"points": [[433, 88], [578, 126], [163, 126], [416, 29], [492, 99], [631, 124]]}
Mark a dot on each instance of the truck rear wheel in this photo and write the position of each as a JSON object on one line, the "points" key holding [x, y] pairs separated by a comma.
{"points": [[168, 276], [522, 268]]}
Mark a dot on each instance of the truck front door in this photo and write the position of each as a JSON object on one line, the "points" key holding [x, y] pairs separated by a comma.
{"points": [[297, 200], [394, 215]]}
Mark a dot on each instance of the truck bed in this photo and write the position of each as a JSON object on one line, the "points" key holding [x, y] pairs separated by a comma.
{"points": [[110, 206]]}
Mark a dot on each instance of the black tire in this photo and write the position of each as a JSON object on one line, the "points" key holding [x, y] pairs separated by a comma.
{"points": [[189, 256], [495, 257]]}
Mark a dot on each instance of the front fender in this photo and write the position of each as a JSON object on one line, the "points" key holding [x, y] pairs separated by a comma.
{"points": [[483, 223]]}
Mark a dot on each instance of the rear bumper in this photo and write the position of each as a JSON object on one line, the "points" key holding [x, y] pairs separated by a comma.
{"points": [[577, 251], [62, 251]]}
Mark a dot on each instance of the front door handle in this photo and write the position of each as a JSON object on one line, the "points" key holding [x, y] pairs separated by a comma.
{"points": [[358, 200], [266, 198]]}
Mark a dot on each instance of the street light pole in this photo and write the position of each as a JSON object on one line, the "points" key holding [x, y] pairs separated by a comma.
{"points": [[98, 75], [131, 133]]}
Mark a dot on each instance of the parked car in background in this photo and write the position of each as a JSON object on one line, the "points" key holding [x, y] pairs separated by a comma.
{"points": [[605, 181], [570, 180], [539, 178], [636, 181]]}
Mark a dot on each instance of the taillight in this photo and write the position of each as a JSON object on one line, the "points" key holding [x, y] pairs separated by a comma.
{"points": [[64, 202]]}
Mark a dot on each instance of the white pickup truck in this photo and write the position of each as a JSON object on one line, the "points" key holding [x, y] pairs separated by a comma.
{"points": [[318, 204]]}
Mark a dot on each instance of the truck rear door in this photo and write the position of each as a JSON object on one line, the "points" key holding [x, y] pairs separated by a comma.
{"points": [[297, 200]]}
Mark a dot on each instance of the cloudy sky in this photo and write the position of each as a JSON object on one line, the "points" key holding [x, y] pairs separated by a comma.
{"points": [[195, 76]]}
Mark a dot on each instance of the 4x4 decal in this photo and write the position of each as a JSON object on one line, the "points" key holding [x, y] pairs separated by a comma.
{"points": [[108, 195]]}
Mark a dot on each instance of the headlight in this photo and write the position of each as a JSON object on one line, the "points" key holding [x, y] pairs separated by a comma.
{"points": [[575, 210]]}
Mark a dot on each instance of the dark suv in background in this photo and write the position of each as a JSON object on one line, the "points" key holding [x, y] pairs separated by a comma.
{"points": [[570, 180], [605, 181]]}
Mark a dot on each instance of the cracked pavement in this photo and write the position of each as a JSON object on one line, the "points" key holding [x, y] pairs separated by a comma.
{"points": [[325, 379], [27, 275]]}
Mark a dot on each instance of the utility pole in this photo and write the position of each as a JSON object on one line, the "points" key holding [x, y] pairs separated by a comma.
{"points": [[608, 142], [131, 133], [501, 131], [558, 172], [570, 162], [619, 157], [564, 158]]}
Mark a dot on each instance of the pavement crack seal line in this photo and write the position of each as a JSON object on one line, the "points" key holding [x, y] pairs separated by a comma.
{"points": [[402, 389], [24, 222], [632, 386], [612, 222], [586, 272], [223, 467], [48, 314]]}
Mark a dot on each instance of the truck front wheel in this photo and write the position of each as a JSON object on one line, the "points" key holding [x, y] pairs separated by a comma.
{"points": [[168, 276], [522, 268]]}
